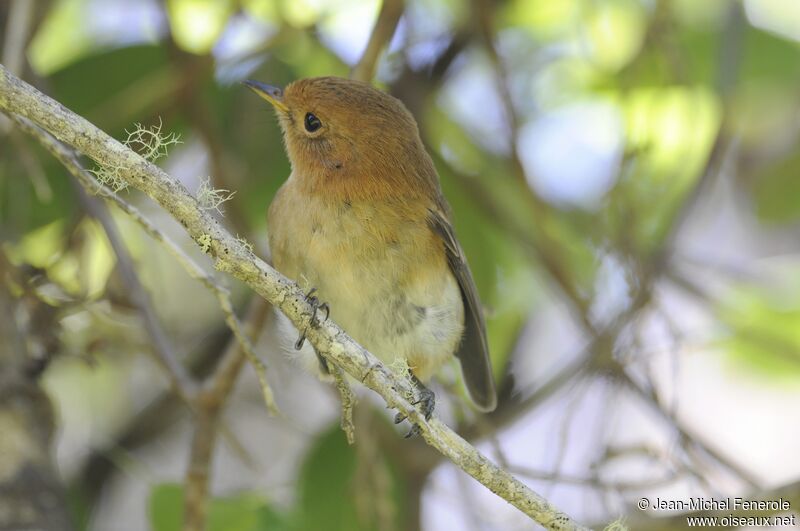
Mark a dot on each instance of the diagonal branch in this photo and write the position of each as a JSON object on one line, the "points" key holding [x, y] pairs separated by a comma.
{"points": [[233, 256]]}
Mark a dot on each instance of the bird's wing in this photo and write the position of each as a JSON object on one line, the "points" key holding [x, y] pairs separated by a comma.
{"points": [[473, 352]]}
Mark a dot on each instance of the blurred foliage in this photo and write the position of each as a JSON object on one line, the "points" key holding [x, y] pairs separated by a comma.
{"points": [[246, 512], [676, 76], [764, 327], [777, 191], [335, 491], [328, 482]]}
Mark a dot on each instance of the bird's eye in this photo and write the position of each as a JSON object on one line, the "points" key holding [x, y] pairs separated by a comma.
{"points": [[312, 123]]}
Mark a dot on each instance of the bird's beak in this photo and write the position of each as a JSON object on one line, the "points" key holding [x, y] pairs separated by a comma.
{"points": [[274, 95]]}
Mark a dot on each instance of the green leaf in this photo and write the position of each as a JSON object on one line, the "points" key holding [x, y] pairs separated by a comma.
{"points": [[764, 328], [62, 38], [166, 507], [79, 507], [337, 492], [23, 209], [244, 512], [134, 81], [325, 483], [777, 191], [670, 132], [197, 24]]}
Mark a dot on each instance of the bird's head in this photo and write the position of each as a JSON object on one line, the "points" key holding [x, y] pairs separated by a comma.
{"points": [[345, 134]]}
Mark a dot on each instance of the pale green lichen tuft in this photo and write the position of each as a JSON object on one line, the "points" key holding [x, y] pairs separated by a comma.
{"points": [[617, 525], [205, 242], [246, 244], [111, 176], [402, 371], [151, 143], [211, 198]]}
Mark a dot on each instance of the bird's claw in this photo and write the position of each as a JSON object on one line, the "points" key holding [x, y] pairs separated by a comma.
{"points": [[317, 306], [413, 432], [426, 400]]}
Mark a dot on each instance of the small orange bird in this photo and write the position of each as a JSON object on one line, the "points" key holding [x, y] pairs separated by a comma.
{"points": [[362, 219]]}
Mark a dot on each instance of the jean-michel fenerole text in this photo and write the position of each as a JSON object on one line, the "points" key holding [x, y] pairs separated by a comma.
{"points": [[723, 504]]}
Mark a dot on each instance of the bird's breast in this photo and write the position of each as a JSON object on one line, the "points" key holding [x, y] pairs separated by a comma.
{"points": [[351, 243], [378, 265]]}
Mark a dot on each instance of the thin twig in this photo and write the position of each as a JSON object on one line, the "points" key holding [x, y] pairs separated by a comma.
{"points": [[204, 439], [729, 62], [209, 404], [221, 381], [18, 25], [595, 481], [348, 402], [652, 400], [382, 33], [20, 19], [182, 383], [548, 251], [249, 353], [32, 167], [233, 257]]}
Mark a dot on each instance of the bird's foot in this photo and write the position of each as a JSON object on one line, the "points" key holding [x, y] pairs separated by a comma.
{"points": [[426, 402], [315, 303]]}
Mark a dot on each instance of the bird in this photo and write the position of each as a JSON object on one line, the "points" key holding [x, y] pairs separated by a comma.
{"points": [[363, 221]]}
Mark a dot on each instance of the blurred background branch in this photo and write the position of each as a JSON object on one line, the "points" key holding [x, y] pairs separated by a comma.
{"points": [[382, 32], [31, 495], [205, 403]]}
